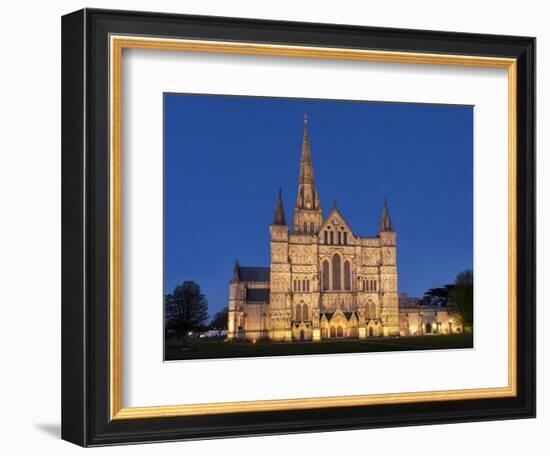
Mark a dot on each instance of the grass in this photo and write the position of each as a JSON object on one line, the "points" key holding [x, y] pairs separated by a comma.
{"points": [[211, 348]]}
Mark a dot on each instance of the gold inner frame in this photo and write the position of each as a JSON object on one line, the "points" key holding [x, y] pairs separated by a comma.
{"points": [[117, 44]]}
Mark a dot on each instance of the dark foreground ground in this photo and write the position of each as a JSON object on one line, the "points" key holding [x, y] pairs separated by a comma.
{"points": [[212, 348]]}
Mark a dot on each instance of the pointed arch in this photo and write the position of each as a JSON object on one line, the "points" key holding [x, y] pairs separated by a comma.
{"points": [[305, 312], [347, 275], [336, 272], [298, 313], [326, 275]]}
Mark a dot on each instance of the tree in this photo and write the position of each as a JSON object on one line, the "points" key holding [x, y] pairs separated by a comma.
{"points": [[462, 298], [186, 308], [437, 297], [219, 321]]}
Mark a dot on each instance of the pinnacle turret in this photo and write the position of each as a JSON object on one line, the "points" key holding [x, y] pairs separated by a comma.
{"points": [[235, 277], [279, 217], [385, 220]]}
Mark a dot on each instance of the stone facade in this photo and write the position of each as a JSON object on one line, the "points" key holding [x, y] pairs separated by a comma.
{"points": [[324, 281]]}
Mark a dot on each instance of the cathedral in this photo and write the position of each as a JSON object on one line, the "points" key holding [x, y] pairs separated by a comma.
{"points": [[324, 281]]}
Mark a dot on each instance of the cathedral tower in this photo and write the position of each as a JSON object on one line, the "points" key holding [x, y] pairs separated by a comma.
{"points": [[308, 214], [279, 295], [388, 274]]}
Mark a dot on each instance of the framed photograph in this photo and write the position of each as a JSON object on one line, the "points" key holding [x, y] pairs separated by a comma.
{"points": [[276, 227]]}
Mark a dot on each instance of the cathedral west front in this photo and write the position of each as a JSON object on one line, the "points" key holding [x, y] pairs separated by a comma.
{"points": [[324, 281]]}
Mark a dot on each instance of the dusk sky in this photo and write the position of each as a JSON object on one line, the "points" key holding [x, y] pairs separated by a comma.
{"points": [[226, 157]]}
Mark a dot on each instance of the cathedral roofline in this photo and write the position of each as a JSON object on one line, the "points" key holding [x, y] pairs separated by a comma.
{"points": [[259, 274], [341, 219]]}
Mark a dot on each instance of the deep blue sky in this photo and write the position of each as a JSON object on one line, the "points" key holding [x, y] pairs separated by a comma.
{"points": [[225, 158]]}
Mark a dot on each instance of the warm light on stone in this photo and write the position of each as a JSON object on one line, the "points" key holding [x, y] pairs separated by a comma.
{"points": [[323, 282]]}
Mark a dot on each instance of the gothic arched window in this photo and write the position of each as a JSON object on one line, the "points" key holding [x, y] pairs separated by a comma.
{"points": [[298, 313], [326, 237], [331, 235], [345, 238], [305, 227], [347, 276], [305, 312], [372, 310], [374, 284], [339, 237], [336, 272], [326, 275]]}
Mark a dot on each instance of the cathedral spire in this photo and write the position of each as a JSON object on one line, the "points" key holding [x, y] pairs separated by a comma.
{"points": [[306, 166], [385, 220], [308, 215], [307, 197], [279, 217]]}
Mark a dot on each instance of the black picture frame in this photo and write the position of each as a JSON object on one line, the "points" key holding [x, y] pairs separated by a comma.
{"points": [[85, 228]]}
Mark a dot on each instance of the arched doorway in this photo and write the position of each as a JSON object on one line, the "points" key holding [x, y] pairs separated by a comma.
{"points": [[428, 328], [339, 332], [302, 334], [332, 332], [324, 333], [371, 332]]}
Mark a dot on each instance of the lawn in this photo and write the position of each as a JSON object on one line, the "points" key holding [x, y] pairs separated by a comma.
{"points": [[212, 348]]}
